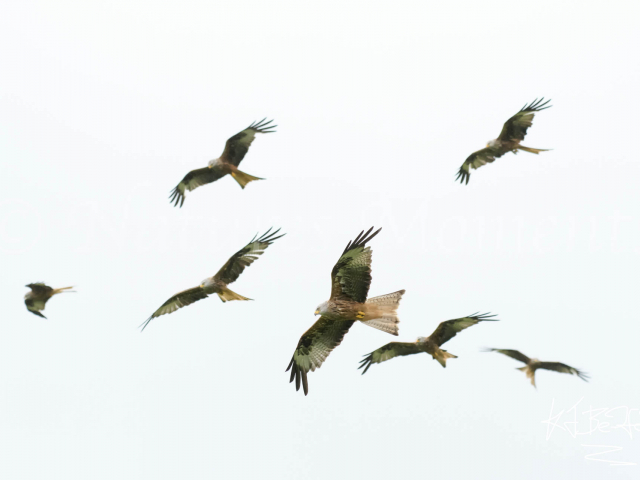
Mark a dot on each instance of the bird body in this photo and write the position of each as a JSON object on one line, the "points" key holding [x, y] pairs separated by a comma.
{"points": [[348, 303], [217, 284], [226, 164], [36, 299], [533, 364], [431, 344], [513, 132]]}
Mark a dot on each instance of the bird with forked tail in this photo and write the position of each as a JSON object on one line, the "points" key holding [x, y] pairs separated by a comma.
{"points": [[36, 299], [227, 164], [512, 134]]}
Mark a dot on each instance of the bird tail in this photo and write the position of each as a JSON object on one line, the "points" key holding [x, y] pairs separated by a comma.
{"points": [[227, 295], [381, 312], [532, 150], [243, 178], [531, 374], [441, 356], [61, 290]]}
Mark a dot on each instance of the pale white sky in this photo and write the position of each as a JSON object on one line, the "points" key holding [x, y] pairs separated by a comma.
{"points": [[104, 107]]}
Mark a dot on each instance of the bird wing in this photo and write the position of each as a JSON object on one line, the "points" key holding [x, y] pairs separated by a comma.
{"points": [[40, 288], [238, 145], [192, 180], [521, 357], [516, 127], [387, 352], [562, 368], [314, 347], [179, 300], [476, 160], [34, 306], [447, 330], [351, 275], [246, 256]]}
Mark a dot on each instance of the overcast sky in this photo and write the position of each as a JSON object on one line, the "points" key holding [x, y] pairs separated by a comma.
{"points": [[105, 106]]}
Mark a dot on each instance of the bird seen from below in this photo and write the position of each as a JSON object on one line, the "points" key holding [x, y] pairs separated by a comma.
{"points": [[533, 364], [348, 303], [229, 273], [431, 344], [234, 151], [512, 134], [36, 299]]}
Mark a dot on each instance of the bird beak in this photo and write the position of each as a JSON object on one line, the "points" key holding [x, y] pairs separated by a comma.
{"points": [[317, 312]]}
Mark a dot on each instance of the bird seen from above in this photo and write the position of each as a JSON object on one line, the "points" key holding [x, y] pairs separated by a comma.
{"points": [[512, 134], [533, 364], [36, 299], [348, 303], [431, 344], [229, 273], [234, 151]]}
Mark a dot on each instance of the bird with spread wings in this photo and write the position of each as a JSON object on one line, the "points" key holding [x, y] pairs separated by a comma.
{"points": [[533, 364], [512, 134], [348, 303], [431, 344], [36, 299], [229, 273], [234, 151]]}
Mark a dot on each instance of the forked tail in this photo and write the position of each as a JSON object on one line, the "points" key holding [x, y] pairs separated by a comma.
{"points": [[532, 150], [531, 374], [243, 178], [441, 356], [381, 312], [227, 295]]}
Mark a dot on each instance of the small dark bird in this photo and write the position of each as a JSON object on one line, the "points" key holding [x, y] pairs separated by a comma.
{"points": [[512, 134], [40, 293], [533, 364], [431, 344], [234, 151]]}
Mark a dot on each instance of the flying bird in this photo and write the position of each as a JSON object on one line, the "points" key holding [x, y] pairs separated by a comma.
{"points": [[348, 303], [229, 273], [431, 344], [40, 293], [512, 134], [533, 364], [234, 151]]}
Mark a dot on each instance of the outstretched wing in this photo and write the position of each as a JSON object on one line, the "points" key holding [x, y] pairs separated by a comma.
{"points": [[179, 300], [562, 368], [193, 180], [476, 160], [238, 145], [351, 276], [516, 127], [314, 347], [387, 352], [246, 256], [34, 306], [521, 357], [447, 330], [39, 288]]}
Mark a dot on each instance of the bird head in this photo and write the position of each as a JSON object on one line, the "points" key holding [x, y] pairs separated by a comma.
{"points": [[493, 143], [207, 282], [322, 309], [422, 339]]}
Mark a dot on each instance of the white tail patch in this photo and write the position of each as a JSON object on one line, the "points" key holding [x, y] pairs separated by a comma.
{"points": [[381, 312]]}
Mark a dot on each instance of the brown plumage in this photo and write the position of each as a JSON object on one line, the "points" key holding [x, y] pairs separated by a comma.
{"points": [[36, 299], [512, 134], [431, 344], [229, 273], [533, 364], [227, 164], [348, 303]]}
